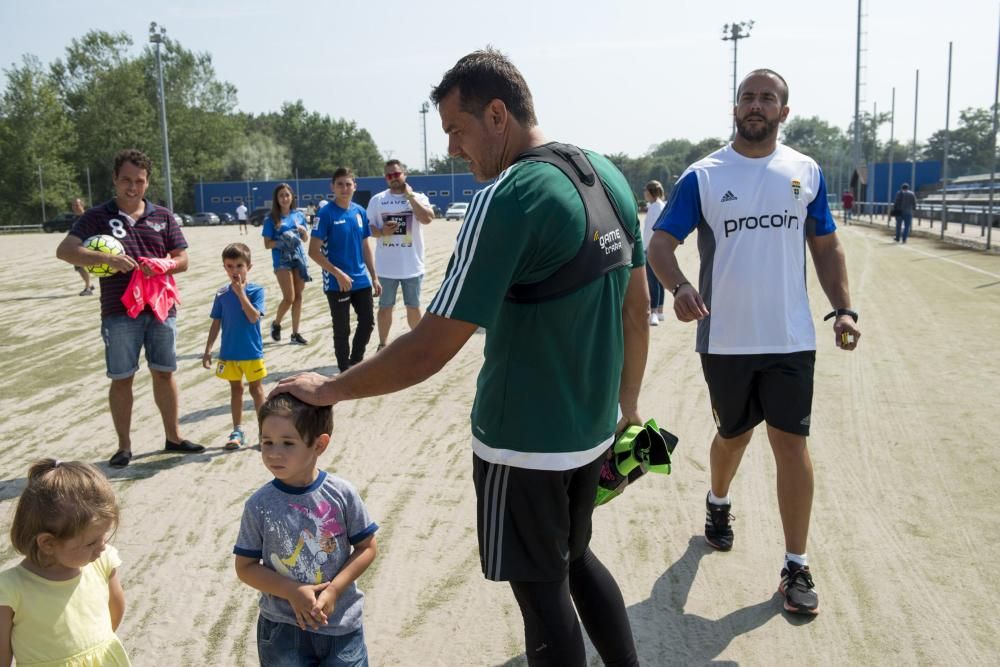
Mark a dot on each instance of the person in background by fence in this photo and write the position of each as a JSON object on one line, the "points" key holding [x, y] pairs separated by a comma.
{"points": [[903, 207], [847, 199], [88, 286], [653, 194]]}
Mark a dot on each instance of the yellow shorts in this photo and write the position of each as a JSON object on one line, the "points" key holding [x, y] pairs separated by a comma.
{"points": [[234, 371]]}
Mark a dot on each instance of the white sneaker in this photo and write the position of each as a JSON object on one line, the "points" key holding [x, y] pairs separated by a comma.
{"points": [[661, 316], [654, 321]]}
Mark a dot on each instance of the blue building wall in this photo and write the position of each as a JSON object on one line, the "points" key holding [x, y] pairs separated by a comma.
{"points": [[878, 190], [224, 197]]}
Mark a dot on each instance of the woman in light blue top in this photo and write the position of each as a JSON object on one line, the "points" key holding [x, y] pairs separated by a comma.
{"points": [[285, 232]]}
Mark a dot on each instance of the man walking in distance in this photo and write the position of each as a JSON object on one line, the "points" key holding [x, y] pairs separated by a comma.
{"points": [[341, 247], [903, 206], [397, 216], [145, 230], [241, 217], [756, 204], [88, 285], [545, 412]]}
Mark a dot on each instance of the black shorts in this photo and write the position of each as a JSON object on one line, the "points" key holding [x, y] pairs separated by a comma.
{"points": [[532, 523], [747, 389]]}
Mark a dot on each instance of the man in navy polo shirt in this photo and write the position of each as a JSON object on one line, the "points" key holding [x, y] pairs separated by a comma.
{"points": [[145, 230], [340, 246]]}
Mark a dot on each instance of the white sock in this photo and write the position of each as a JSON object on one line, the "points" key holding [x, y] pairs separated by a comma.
{"points": [[802, 560], [715, 500]]}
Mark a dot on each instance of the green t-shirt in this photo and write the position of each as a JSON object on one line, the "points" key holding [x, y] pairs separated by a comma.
{"points": [[547, 394]]}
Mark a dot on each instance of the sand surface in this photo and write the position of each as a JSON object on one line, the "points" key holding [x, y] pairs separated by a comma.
{"points": [[905, 435]]}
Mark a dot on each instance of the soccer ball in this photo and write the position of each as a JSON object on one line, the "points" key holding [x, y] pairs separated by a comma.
{"points": [[106, 244]]}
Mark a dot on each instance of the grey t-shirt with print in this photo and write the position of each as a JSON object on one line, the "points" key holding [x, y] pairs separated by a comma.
{"points": [[306, 534]]}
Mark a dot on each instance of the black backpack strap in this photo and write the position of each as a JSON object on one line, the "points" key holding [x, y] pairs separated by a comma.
{"points": [[607, 241]]}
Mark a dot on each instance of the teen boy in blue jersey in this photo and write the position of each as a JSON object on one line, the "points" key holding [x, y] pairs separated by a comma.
{"points": [[340, 246], [756, 204], [557, 373]]}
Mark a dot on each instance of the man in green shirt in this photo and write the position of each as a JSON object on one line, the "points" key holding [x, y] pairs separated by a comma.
{"points": [[560, 375]]}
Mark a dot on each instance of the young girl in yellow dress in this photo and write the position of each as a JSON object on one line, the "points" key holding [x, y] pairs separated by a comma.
{"points": [[62, 603]]}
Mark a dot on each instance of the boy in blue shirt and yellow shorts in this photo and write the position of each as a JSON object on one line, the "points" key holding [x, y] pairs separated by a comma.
{"points": [[237, 310]]}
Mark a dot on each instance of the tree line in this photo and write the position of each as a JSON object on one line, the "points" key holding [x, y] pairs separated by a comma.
{"points": [[61, 125]]}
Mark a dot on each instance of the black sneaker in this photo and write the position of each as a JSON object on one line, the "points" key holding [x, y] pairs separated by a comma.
{"points": [[799, 590], [275, 331], [718, 532], [297, 339]]}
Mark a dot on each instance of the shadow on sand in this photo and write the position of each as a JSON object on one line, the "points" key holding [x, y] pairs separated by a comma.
{"points": [[667, 635]]}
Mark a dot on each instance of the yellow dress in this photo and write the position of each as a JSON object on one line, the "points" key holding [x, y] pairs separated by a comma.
{"points": [[63, 623]]}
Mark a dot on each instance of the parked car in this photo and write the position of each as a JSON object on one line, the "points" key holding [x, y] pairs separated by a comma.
{"points": [[227, 218], [457, 211], [186, 217], [206, 218], [257, 217], [179, 219], [60, 223]]}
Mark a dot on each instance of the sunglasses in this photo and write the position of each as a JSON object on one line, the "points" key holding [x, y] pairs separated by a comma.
{"points": [[393, 174]]}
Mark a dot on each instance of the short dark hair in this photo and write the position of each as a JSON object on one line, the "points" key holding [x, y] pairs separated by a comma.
{"points": [[136, 157], [394, 161], [341, 173], [236, 251], [311, 421], [766, 72], [483, 76]]}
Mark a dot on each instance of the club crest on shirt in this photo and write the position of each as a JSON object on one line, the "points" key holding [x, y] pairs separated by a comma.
{"points": [[360, 223], [155, 226], [796, 187]]}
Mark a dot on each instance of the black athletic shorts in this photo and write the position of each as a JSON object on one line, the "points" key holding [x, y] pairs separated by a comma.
{"points": [[747, 389], [532, 523]]}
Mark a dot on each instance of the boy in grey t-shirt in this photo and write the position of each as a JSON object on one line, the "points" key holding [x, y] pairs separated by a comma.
{"points": [[304, 539]]}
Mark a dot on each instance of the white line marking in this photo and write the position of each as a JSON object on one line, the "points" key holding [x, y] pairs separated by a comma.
{"points": [[957, 263]]}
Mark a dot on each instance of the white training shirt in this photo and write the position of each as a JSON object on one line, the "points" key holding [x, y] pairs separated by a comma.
{"points": [[653, 212], [752, 216], [399, 255]]}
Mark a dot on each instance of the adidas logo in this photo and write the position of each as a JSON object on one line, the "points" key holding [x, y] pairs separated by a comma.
{"points": [[729, 196], [805, 420]]}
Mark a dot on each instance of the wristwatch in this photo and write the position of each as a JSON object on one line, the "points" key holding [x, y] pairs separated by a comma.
{"points": [[842, 311], [676, 287]]}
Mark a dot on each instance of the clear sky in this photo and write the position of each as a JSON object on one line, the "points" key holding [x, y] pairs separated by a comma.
{"points": [[613, 76]]}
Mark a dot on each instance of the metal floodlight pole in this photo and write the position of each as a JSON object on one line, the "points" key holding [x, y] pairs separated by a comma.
{"points": [[892, 135], [424, 109], [944, 177], [41, 190], [734, 32], [913, 148], [993, 143], [856, 153], [156, 35], [90, 194]]}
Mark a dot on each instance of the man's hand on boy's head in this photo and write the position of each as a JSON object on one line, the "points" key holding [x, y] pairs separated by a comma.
{"points": [[307, 387]]}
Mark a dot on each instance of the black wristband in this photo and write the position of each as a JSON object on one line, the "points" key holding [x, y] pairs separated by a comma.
{"points": [[842, 311], [673, 292]]}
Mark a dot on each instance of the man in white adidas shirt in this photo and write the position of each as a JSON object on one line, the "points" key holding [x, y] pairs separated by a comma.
{"points": [[756, 205]]}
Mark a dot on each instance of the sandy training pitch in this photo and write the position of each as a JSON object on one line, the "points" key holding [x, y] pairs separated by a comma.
{"points": [[905, 434]]}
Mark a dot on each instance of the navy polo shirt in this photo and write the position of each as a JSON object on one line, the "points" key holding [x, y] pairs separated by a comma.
{"points": [[155, 234]]}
